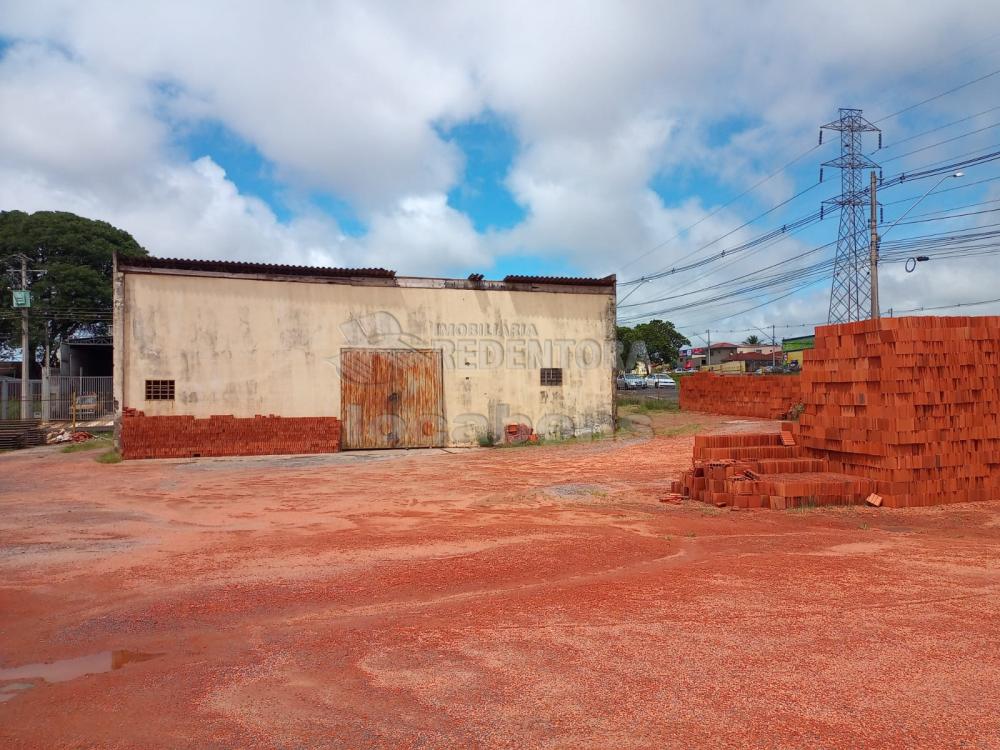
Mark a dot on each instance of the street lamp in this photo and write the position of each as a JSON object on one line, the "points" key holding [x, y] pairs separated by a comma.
{"points": [[876, 238]]}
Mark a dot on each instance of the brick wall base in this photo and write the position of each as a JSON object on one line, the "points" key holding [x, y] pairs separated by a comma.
{"points": [[762, 396], [186, 437]]}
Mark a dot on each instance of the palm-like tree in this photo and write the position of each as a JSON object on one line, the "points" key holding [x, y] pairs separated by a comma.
{"points": [[752, 340]]}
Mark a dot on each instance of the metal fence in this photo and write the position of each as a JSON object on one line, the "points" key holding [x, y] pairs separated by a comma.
{"points": [[56, 398]]}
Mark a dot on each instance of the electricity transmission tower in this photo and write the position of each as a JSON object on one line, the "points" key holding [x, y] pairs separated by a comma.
{"points": [[850, 295]]}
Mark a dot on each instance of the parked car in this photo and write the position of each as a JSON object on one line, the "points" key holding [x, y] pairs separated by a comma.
{"points": [[661, 380], [621, 383], [635, 382], [85, 406]]}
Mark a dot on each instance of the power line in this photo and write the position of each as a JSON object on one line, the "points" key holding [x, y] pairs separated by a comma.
{"points": [[785, 228], [768, 243], [782, 262], [816, 324], [931, 170], [940, 143], [929, 217], [644, 279], [953, 244], [659, 274], [942, 218], [947, 307], [938, 96], [664, 272], [963, 186], [954, 208], [796, 290], [762, 240], [934, 169], [749, 190], [894, 144]]}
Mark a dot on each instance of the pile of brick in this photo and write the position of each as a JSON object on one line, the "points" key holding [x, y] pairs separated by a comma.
{"points": [[763, 396], [519, 433], [186, 437], [911, 403], [766, 470]]}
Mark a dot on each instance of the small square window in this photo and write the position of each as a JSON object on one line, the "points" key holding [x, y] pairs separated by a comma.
{"points": [[159, 390], [551, 376]]}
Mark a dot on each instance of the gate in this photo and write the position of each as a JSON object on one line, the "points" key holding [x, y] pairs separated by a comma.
{"points": [[392, 398], [56, 400]]}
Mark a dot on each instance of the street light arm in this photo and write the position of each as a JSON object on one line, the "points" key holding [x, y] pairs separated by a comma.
{"points": [[877, 238]]}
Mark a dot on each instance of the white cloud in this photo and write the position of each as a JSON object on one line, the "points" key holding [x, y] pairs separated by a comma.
{"points": [[70, 124]]}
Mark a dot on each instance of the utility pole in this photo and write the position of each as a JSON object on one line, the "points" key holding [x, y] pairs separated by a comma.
{"points": [[873, 250], [773, 351], [709, 350], [25, 384]]}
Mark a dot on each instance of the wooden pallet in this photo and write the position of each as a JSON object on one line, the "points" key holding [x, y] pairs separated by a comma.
{"points": [[20, 433]]}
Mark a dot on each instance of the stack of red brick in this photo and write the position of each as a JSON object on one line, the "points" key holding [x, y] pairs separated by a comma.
{"points": [[764, 471], [520, 433], [185, 437], [763, 396], [911, 403]]}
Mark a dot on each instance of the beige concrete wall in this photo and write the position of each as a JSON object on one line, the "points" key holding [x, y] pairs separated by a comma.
{"points": [[243, 347]]}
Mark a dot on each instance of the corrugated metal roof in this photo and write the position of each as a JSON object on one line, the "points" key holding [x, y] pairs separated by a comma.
{"points": [[237, 267], [560, 280]]}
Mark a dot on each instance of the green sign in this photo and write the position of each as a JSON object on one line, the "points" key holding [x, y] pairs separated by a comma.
{"points": [[22, 298], [798, 344]]}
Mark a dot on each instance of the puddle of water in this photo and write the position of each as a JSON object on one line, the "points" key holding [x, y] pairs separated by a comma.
{"points": [[67, 669]]}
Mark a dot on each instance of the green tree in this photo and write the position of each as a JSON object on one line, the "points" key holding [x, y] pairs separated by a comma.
{"points": [[752, 340], [658, 340], [73, 291]]}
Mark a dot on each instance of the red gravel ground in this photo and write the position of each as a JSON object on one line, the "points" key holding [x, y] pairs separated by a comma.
{"points": [[514, 598]]}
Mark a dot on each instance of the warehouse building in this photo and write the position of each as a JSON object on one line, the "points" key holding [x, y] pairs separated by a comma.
{"points": [[384, 361]]}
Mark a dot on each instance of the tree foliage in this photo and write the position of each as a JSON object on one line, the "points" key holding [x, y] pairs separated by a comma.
{"points": [[656, 340], [752, 340], [74, 255]]}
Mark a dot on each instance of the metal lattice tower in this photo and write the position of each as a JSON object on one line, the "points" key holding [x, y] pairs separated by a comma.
{"points": [[850, 295]]}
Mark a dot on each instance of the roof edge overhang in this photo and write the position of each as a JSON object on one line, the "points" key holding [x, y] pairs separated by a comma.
{"points": [[358, 276]]}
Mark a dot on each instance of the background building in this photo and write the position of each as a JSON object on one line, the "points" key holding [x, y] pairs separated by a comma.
{"points": [[400, 361], [91, 356], [759, 349], [793, 348], [752, 361], [694, 357]]}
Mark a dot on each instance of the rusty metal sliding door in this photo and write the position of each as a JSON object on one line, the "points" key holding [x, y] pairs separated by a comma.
{"points": [[392, 398]]}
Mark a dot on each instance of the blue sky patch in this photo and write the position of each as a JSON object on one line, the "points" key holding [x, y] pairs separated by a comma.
{"points": [[531, 265], [489, 146], [722, 131], [254, 175], [245, 166]]}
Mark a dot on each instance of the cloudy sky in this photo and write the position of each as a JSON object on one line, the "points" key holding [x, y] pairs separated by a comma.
{"points": [[570, 138]]}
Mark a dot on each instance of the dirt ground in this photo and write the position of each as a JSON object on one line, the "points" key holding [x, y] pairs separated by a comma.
{"points": [[507, 598]]}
